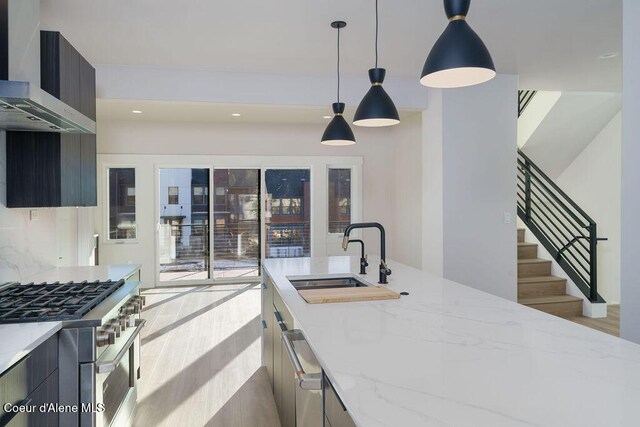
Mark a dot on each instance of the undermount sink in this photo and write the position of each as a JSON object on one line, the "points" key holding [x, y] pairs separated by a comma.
{"points": [[332, 283]]}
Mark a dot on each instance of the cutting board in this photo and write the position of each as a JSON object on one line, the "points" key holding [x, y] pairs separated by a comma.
{"points": [[369, 293]]}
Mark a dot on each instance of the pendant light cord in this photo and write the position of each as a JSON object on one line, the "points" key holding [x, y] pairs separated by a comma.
{"points": [[376, 34], [338, 67]]}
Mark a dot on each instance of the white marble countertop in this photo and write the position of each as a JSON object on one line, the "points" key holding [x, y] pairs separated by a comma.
{"points": [[451, 355], [18, 340], [89, 273]]}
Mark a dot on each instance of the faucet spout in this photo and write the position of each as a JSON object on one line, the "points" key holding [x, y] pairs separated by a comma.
{"points": [[345, 242]]}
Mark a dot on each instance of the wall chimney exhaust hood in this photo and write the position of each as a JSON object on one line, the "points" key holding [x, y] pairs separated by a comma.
{"points": [[24, 106]]}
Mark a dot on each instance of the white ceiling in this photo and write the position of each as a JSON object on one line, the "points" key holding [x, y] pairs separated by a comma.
{"points": [[201, 112], [552, 44]]}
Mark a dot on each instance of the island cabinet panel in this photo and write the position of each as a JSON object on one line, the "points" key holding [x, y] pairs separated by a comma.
{"points": [[335, 413], [268, 324], [277, 319], [53, 169]]}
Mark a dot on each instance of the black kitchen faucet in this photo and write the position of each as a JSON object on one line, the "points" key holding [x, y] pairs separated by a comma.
{"points": [[383, 270]]}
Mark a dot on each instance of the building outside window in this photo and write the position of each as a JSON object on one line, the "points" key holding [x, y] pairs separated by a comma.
{"points": [[122, 203]]}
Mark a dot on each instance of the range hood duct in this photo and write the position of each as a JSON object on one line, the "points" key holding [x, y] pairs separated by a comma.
{"points": [[24, 106]]}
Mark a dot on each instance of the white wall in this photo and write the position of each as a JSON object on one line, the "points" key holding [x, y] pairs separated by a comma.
{"points": [[478, 174], [56, 238], [573, 122], [406, 242], [540, 105], [593, 181], [378, 149], [432, 185], [630, 199]]}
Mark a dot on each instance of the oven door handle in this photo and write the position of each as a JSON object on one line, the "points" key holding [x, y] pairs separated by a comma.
{"points": [[104, 367]]}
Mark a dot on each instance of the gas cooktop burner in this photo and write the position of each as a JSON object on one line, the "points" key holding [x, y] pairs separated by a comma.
{"points": [[42, 302]]}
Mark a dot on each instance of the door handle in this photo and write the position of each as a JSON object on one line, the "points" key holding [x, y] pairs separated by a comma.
{"points": [[305, 381]]}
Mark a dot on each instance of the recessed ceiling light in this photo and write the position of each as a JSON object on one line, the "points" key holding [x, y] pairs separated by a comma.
{"points": [[326, 117], [236, 114], [136, 111], [609, 55]]}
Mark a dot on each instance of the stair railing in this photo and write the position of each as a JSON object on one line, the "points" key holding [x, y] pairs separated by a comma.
{"points": [[563, 228], [524, 98]]}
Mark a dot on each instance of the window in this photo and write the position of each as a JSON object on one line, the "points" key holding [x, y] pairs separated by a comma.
{"points": [[221, 196], [286, 206], [200, 195], [173, 195], [131, 196], [288, 229], [275, 207], [339, 199], [295, 206], [122, 201]]}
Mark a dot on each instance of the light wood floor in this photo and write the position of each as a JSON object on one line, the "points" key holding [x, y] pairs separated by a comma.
{"points": [[609, 324], [200, 359]]}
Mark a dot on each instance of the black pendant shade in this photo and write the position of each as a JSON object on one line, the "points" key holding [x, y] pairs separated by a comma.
{"points": [[338, 131], [459, 58], [376, 108]]}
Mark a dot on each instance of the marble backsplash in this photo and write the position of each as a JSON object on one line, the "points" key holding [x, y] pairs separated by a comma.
{"points": [[26, 247], [33, 241]]}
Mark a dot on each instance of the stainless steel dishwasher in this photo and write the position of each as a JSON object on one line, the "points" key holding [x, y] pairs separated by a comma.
{"points": [[307, 376]]}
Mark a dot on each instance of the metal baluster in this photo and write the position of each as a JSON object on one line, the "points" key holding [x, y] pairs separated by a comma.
{"points": [[593, 267], [527, 191]]}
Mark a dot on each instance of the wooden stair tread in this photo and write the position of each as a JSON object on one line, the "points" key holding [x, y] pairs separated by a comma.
{"points": [[527, 244], [540, 279], [552, 299], [532, 261]]}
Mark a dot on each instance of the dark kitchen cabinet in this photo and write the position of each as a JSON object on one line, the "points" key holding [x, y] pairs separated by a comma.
{"points": [[32, 381], [56, 169]]}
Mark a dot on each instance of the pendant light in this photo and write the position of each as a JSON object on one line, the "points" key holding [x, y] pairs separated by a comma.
{"points": [[338, 131], [376, 108], [459, 58]]}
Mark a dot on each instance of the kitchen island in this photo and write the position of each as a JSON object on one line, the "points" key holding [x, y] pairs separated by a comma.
{"points": [[448, 354]]}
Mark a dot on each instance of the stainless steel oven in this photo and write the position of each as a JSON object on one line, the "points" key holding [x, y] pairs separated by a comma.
{"points": [[99, 359], [110, 383]]}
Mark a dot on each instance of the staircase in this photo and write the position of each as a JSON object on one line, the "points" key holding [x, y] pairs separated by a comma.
{"points": [[537, 288], [567, 234]]}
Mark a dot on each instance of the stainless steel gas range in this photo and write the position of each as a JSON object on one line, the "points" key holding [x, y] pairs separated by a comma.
{"points": [[99, 344]]}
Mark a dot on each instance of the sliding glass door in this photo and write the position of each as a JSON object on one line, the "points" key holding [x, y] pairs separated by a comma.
{"points": [[183, 226], [236, 215], [209, 221]]}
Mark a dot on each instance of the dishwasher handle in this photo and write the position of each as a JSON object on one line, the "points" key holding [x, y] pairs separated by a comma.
{"points": [[305, 381]]}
